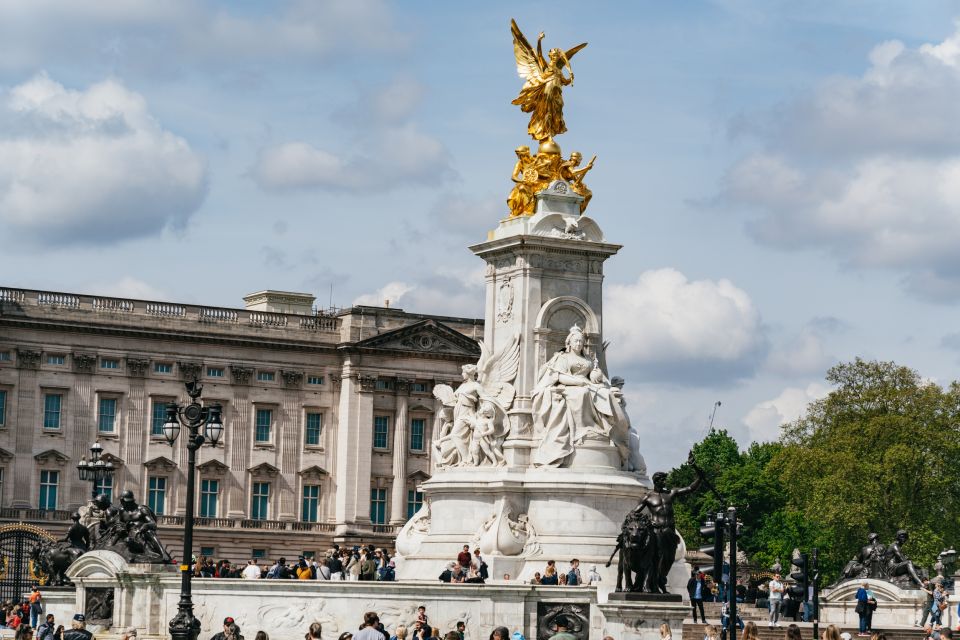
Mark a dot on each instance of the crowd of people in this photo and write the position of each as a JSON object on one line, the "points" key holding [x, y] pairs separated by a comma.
{"points": [[417, 629], [471, 569], [356, 563]]}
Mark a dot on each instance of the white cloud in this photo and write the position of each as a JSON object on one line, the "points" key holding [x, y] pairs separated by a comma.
{"points": [[178, 34], [447, 292], [129, 287], [805, 353], [765, 418], [690, 332], [391, 293], [866, 168], [91, 166], [400, 156]]}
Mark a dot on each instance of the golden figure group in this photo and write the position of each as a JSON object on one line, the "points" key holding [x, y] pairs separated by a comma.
{"points": [[542, 97], [535, 173]]}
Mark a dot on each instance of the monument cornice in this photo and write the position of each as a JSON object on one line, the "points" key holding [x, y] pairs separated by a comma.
{"points": [[526, 243]]}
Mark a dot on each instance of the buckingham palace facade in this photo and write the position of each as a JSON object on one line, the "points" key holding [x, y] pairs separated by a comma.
{"points": [[328, 416]]}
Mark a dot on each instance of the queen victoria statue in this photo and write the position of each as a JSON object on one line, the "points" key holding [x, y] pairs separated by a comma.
{"points": [[573, 401]]}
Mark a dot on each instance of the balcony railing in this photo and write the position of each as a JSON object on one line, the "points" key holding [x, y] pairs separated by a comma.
{"points": [[235, 523], [319, 320]]}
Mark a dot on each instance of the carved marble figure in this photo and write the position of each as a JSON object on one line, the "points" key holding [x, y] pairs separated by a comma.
{"points": [[572, 401], [474, 424]]}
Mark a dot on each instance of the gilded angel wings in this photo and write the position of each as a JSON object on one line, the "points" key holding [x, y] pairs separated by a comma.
{"points": [[541, 95], [531, 65]]}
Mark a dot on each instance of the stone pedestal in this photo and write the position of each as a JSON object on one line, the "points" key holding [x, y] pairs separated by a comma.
{"points": [[639, 616], [895, 607], [115, 594]]}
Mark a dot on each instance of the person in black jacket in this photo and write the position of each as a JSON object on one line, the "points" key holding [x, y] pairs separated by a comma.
{"points": [[696, 589], [78, 630]]}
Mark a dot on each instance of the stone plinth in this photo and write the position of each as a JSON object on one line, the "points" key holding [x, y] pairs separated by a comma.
{"points": [[895, 606], [134, 591], [630, 616]]}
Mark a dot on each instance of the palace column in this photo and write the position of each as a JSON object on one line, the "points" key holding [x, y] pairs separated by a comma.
{"points": [[400, 428], [354, 444]]}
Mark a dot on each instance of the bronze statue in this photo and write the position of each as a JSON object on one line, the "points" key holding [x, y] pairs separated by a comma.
{"points": [[868, 563], [131, 530], [542, 92], [526, 182], [884, 562], [898, 564], [573, 175], [649, 535]]}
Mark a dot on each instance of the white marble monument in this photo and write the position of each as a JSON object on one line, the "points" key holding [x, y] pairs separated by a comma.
{"points": [[535, 456]]}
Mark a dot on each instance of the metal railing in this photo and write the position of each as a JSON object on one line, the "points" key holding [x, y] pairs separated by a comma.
{"points": [[237, 523]]}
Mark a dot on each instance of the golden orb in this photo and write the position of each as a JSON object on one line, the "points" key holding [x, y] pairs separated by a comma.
{"points": [[548, 146]]}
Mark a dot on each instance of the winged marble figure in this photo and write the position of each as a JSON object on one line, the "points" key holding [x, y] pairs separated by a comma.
{"points": [[472, 421]]}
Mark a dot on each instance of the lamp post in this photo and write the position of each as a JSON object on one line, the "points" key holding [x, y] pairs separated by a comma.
{"points": [[95, 470], [184, 626]]}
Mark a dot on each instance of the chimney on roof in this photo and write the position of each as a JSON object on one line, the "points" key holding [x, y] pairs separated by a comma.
{"points": [[280, 302]]}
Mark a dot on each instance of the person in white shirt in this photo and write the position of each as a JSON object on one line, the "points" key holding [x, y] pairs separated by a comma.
{"points": [[251, 571], [593, 577], [776, 600]]}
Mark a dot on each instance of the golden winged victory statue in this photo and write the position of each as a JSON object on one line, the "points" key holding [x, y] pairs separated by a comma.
{"points": [[542, 97]]}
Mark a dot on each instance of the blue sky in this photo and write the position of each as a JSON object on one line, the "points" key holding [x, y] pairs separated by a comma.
{"points": [[784, 177]]}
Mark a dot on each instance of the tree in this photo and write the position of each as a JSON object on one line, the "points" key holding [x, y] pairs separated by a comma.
{"points": [[877, 454]]}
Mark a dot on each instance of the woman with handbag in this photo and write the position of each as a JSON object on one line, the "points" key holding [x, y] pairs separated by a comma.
{"points": [[938, 607], [862, 608]]}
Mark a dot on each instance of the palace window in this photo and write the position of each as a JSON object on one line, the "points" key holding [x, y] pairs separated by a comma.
{"points": [[104, 486], [209, 494], [162, 367], [51, 411], [107, 417], [314, 425], [381, 432], [260, 501], [419, 387], [158, 417], [263, 425], [4, 356], [109, 363], [214, 372], [311, 503], [384, 385], [55, 359], [3, 408], [417, 426], [265, 376], [314, 379], [157, 494], [414, 502], [49, 481], [378, 506]]}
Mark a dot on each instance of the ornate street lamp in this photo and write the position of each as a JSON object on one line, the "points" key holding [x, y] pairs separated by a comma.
{"points": [[95, 470], [184, 625]]}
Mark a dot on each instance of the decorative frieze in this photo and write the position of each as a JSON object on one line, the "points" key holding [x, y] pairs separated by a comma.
{"points": [[291, 378], [28, 359], [241, 375], [138, 366], [84, 362], [190, 370], [367, 383]]}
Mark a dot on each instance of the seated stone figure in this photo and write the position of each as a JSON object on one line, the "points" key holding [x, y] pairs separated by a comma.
{"points": [[572, 401]]}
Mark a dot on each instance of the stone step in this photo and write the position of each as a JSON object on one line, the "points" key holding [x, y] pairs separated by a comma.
{"points": [[693, 631]]}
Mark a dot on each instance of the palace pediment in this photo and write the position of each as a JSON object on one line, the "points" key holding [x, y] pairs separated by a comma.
{"points": [[427, 337]]}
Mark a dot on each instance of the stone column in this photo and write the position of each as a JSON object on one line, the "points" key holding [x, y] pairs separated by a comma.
{"points": [[137, 418], [79, 425], [398, 502], [238, 445], [29, 423], [290, 438], [354, 446]]}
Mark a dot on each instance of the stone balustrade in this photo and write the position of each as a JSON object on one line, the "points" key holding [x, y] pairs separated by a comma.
{"points": [[53, 300]]}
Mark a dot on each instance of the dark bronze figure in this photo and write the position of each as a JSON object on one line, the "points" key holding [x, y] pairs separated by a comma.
{"points": [[648, 539]]}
